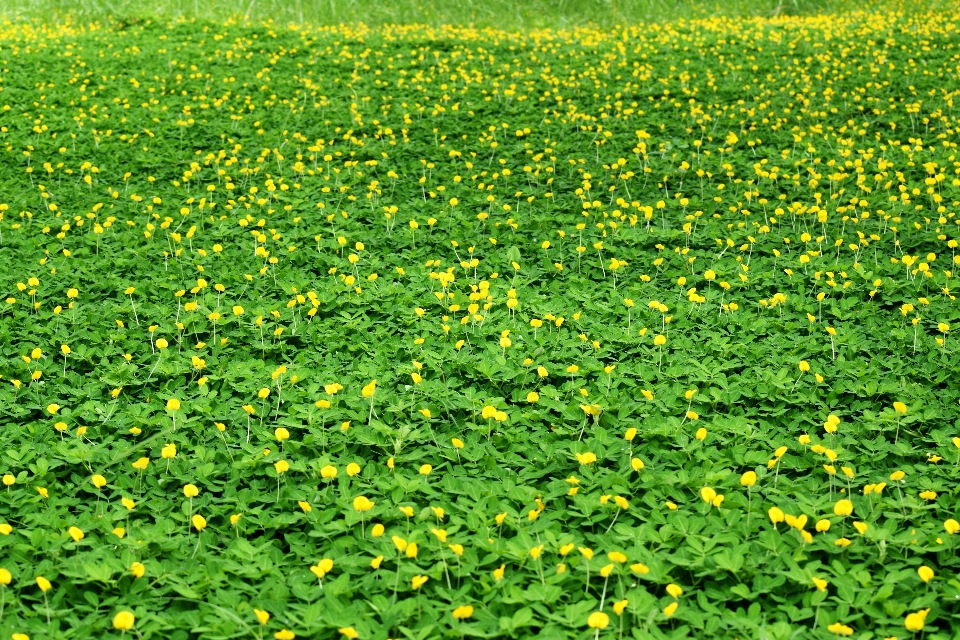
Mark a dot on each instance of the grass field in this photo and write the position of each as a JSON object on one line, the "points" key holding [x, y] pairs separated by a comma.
{"points": [[427, 331], [502, 14]]}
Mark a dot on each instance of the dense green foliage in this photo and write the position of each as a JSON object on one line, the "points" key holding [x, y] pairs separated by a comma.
{"points": [[659, 318], [496, 13]]}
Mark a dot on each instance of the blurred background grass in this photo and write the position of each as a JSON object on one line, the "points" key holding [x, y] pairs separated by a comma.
{"points": [[510, 14]]}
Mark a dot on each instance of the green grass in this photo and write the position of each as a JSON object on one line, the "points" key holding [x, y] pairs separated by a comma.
{"points": [[495, 13], [645, 308]]}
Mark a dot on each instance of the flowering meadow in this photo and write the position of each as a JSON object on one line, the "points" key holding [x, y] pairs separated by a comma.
{"points": [[414, 332]]}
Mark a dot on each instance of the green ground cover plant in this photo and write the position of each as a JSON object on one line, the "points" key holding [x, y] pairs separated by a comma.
{"points": [[419, 332], [490, 13]]}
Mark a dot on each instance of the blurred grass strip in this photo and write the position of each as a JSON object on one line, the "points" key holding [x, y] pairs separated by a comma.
{"points": [[507, 14]]}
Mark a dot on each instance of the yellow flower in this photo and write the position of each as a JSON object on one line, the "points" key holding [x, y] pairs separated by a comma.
{"points": [[322, 568], [674, 590], [43, 583], [98, 481], [915, 621], [418, 581], [137, 569], [843, 507], [598, 620], [925, 573], [349, 632], [861, 527], [840, 629], [283, 634], [748, 479], [708, 494], [124, 621], [199, 522], [671, 609], [362, 503], [586, 458], [498, 573], [75, 533], [776, 515], [368, 390], [191, 491], [463, 612]]}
